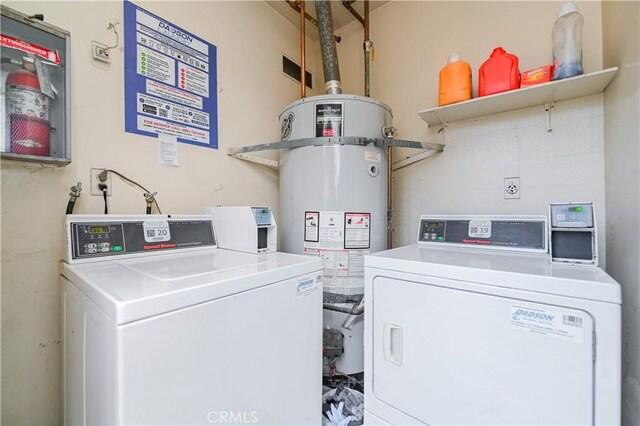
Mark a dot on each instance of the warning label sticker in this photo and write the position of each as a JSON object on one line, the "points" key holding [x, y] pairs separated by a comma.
{"points": [[375, 157], [551, 323], [340, 239], [331, 231], [311, 226], [329, 120], [356, 262], [356, 230]]}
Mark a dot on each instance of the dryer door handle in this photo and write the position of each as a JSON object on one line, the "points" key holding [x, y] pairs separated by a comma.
{"points": [[392, 343]]}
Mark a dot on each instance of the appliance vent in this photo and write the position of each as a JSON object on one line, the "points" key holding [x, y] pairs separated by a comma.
{"points": [[292, 69]]}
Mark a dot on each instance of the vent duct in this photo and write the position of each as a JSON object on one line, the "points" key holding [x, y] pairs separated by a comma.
{"points": [[328, 48]]}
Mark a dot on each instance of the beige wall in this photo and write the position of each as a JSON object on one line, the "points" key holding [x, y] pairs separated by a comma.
{"points": [[621, 40], [412, 42], [250, 38]]}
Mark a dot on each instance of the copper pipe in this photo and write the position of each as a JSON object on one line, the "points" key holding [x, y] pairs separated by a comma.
{"points": [[366, 20], [303, 73], [295, 6]]}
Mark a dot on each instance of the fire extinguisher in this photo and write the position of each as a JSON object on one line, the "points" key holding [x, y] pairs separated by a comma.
{"points": [[28, 113]]}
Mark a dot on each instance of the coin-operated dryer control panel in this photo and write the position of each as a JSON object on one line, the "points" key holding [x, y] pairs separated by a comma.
{"points": [[246, 229], [573, 237]]}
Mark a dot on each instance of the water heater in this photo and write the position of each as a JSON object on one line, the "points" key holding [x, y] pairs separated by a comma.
{"points": [[333, 201]]}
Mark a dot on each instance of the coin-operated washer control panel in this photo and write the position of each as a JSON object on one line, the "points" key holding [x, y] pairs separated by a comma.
{"points": [[98, 238], [524, 233], [90, 237], [246, 229], [573, 233]]}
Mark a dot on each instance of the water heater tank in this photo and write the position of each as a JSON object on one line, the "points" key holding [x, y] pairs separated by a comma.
{"points": [[333, 198]]}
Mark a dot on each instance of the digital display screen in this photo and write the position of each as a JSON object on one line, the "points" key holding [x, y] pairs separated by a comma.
{"points": [[98, 229], [262, 215], [575, 209], [433, 224]]}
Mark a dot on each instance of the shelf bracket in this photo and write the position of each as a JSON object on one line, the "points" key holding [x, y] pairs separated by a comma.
{"points": [[548, 107], [413, 159], [255, 159], [443, 122]]}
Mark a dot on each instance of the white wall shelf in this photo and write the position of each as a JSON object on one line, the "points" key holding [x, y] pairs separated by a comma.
{"points": [[543, 94]]}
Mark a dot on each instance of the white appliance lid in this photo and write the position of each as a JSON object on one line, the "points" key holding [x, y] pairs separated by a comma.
{"points": [[135, 288], [518, 270]]}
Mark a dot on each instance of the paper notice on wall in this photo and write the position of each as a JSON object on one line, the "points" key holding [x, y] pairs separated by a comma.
{"points": [[357, 230], [170, 80], [168, 147]]}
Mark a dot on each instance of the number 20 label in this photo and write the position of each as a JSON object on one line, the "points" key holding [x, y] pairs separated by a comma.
{"points": [[156, 231]]}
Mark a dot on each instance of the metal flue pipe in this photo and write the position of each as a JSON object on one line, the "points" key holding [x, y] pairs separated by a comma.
{"points": [[303, 72], [328, 48]]}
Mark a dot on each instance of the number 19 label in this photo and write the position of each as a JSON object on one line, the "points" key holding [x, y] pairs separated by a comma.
{"points": [[479, 229]]}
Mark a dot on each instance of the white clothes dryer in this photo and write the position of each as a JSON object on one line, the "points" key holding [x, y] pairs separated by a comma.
{"points": [[475, 325]]}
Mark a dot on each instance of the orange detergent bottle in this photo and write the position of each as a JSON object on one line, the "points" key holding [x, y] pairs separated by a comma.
{"points": [[455, 81], [499, 73]]}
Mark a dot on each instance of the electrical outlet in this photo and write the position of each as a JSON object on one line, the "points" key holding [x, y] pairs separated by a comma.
{"points": [[511, 188], [95, 181], [100, 52]]}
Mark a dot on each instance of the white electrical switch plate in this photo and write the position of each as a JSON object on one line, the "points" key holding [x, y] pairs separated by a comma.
{"points": [[100, 52], [95, 181]]}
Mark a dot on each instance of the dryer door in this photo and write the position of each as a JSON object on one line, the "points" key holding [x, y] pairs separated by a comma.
{"points": [[450, 356]]}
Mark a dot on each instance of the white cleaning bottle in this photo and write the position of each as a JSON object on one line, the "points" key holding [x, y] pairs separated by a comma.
{"points": [[567, 42]]}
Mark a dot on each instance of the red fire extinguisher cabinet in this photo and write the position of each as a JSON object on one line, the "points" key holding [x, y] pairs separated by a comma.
{"points": [[34, 89]]}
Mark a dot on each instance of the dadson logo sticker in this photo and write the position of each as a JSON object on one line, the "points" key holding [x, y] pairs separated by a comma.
{"points": [[565, 325]]}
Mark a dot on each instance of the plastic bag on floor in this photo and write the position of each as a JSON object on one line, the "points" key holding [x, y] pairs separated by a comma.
{"points": [[346, 407]]}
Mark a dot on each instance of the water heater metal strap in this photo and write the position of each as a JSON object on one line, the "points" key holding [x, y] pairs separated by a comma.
{"points": [[328, 141]]}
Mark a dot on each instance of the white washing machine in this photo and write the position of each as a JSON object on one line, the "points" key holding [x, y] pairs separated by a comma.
{"points": [[475, 325], [162, 327]]}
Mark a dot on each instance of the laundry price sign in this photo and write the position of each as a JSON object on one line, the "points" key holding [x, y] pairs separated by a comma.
{"points": [[170, 80]]}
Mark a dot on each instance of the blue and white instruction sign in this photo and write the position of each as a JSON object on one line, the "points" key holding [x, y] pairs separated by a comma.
{"points": [[170, 80]]}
